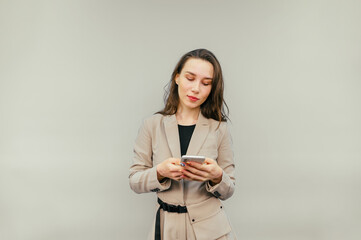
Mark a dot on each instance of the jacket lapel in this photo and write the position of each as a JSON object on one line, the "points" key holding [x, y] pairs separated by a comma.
{"points": [[172, 134], [199, 135]]}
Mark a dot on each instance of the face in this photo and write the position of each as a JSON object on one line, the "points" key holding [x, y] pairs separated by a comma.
{"points": [[194, 83]]}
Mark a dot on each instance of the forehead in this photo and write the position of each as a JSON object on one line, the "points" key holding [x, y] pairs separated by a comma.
{"points": [[198, 67]]}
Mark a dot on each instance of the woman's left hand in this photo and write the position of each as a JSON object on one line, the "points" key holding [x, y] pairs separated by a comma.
{"points": [[208, 171]]}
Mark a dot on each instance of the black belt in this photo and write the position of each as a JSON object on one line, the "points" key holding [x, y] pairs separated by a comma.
{"points": [[169, 208]]}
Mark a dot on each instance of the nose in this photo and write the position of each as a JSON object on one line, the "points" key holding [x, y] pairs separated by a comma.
{"points": [[195, 87]]}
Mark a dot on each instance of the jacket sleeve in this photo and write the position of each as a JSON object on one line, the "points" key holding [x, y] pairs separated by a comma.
{"points": [[225, 188], [143, 175]]}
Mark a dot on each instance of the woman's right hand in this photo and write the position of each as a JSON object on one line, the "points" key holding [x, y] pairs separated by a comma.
{"points": [[169, 168]]}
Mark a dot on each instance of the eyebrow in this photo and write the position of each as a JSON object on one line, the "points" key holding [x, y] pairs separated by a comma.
{"points": [[207, 78]]}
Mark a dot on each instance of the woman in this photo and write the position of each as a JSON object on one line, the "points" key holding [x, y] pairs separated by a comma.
{"points": [[193, 122]]}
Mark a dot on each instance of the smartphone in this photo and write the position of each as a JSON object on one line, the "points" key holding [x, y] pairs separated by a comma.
{"points": [[186, 158]]}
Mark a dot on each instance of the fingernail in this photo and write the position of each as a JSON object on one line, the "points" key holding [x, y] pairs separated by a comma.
{"points": [[182, 164]]}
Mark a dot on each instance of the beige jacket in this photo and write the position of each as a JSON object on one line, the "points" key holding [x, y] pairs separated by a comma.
{"points": [[158, 139]]}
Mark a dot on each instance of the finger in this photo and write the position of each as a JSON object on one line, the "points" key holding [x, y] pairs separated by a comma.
{"points": [[209, 161], [193, 176], [178, 177], [177, 174], [199, 166], [175, 168], [196, 171], [196, 165], [191, 163], [186, 178], [190, 168]]}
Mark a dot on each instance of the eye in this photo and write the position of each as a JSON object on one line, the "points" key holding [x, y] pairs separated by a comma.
{"points": [[190, 78], [207, 83]]}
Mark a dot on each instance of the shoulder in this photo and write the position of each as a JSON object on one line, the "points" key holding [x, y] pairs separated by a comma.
{"points": [[155, 121], [219, 132], [218, 127]]}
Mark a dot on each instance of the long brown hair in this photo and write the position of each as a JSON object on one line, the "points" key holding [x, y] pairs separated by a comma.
{"points": [[214, 107]]}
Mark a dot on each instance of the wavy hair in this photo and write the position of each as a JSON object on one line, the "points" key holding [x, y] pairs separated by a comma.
{"points": [[214, 107]]}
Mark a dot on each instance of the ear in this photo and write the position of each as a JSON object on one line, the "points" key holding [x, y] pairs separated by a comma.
{"points": [[176, 79]]}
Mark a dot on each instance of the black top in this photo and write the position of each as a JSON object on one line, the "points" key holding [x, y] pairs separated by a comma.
{"points": [[185, 135]]}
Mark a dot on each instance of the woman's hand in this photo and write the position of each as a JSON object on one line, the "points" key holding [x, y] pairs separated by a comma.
{"points": [[208, 171], [169, 168]]}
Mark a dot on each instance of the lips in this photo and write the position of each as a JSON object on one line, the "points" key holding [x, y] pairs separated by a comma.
{"points": [[193, 99]]}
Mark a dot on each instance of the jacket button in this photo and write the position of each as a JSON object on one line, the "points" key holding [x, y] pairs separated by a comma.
{"points": [[193, 220], [221, 206]]}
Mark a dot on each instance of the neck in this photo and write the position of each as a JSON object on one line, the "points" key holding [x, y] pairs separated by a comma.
{"points": [[187, 116]]}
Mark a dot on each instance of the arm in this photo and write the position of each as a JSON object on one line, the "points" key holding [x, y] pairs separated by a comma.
{"points": [[143, 175], [225, 187]]}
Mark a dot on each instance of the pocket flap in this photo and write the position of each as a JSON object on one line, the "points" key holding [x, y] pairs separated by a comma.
{"points": [[208, 219]]}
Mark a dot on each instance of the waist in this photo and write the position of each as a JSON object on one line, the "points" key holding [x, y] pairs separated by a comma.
{"points": [[172, 208]]}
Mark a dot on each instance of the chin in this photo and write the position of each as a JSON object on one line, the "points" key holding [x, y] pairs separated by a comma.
{"points": [[193, 106]]}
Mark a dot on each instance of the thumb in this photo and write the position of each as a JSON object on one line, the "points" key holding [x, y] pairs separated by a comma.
{"points": [[175, 160], [209, 161]]}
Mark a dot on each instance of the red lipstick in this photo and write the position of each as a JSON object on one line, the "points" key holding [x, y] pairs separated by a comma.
{"points": [[193, 99]]}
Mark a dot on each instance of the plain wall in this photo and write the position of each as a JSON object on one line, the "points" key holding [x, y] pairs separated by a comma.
{"points": [[78, 77]]}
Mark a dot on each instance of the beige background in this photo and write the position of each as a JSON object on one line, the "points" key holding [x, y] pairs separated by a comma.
{"points": [[78, 77]]}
